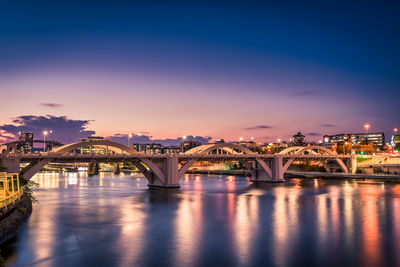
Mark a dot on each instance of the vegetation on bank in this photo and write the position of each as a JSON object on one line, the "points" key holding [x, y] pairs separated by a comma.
{"points": [[27, 186]]}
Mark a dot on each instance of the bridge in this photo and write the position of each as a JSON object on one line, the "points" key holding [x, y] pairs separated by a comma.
{"points": [[164, 170]]}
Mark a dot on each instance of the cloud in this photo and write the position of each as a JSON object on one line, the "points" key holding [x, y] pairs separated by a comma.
{"points": [[259, 127], [147, 139], [65, 130], [328, 125], [51, 105], [303, 93], [314, 134]]}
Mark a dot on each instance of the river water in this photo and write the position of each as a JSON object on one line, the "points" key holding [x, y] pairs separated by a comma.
{"points": [[115, 220]]}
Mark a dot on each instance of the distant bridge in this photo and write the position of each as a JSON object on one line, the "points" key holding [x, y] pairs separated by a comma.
{"points": [[163, 170]]}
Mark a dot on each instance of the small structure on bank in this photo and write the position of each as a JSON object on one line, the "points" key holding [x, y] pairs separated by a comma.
{"points": [[15, 208], [10, 190]]}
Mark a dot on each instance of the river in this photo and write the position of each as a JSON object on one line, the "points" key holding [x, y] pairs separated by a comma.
{"points": [[212, 220]]}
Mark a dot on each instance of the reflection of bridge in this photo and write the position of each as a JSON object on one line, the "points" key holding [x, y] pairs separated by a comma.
{"points": [[166, 170]]}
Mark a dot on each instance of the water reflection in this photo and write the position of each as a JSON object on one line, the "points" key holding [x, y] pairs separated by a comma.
{"points": [[285, 220], [188, 225], [110, 220], [371, 253]]}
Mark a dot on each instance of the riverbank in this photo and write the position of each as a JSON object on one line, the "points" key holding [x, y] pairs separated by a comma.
{"points": [[383, 177], [12, 221], [300, 174]]}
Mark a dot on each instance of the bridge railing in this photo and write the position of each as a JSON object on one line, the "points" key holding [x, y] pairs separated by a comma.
{"points": [[10, 190]]}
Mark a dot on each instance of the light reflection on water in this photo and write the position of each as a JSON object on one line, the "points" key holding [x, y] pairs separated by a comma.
{"points": [[115, 220]]}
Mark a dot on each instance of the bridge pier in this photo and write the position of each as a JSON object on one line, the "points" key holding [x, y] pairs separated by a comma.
{"points": [[93, 168], [164, 172], [353, 163], [116, 168], [268, 171]]}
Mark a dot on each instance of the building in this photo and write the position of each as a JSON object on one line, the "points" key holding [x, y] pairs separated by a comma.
{"points": [[149, 148], [187, 145], [172, 150], [377, 139], [93, 149], [25, 142]]}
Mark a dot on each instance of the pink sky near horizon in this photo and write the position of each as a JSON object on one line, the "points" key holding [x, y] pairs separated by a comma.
{"points": [[168, 107]]}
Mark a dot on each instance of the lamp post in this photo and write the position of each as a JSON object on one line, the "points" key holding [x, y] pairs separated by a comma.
{"points": [[44, 140], [183, 138], [395, 131], [129, 137], [51, 142], [366, 126]]}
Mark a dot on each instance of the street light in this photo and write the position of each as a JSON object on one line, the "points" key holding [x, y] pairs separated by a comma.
{"points": [[241, 139], [51, 142], [183, 138], [366, 126], [395, 131], [129, 137], [44, 140]]}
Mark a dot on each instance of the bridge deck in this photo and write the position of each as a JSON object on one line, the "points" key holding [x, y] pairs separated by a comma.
{"points": [[164, 156]]}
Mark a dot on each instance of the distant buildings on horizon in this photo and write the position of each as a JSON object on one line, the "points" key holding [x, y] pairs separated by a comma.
{"points": [[25, 144]]}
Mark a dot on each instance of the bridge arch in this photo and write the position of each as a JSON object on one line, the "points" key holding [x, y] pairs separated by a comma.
{"points": [[313, 149], [206, 149], [146, 166], [301, 149], [229, 148]]}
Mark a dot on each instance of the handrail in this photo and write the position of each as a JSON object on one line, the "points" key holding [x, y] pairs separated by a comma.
{"points": [[11, 190]]}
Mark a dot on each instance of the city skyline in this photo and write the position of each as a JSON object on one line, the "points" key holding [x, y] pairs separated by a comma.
{"points": [[263, 71]]}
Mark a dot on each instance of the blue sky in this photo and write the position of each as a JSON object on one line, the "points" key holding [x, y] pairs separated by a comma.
{"points": [[204, 68]]}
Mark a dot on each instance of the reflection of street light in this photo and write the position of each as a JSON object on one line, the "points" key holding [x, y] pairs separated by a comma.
{"points": [[366, 126], [44, 140], [129, 137]]}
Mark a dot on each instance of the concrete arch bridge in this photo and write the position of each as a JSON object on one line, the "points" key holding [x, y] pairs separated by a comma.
{"points": [[164, 170]]}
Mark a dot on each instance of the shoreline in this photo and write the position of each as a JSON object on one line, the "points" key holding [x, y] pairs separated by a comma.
{"points": [[13, 220]]}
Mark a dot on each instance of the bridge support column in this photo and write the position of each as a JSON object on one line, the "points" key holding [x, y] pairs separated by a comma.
{"points": [[258, 172], [353, 163], [11, 164], [116, 168], [277, 169], [165, 172], [93, 168], [264, 172]]}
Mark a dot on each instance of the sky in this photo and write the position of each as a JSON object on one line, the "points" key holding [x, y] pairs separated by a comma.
{"points": [[210, 69]]}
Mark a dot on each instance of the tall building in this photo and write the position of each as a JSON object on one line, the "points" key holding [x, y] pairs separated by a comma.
{"points": [[25, 142], [187, 145], [377, 138]]}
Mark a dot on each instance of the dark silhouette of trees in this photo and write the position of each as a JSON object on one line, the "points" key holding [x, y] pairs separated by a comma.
{"points": [[299, 139]]}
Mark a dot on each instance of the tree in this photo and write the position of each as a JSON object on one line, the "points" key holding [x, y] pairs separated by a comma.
{"points": [[299, 139]]}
